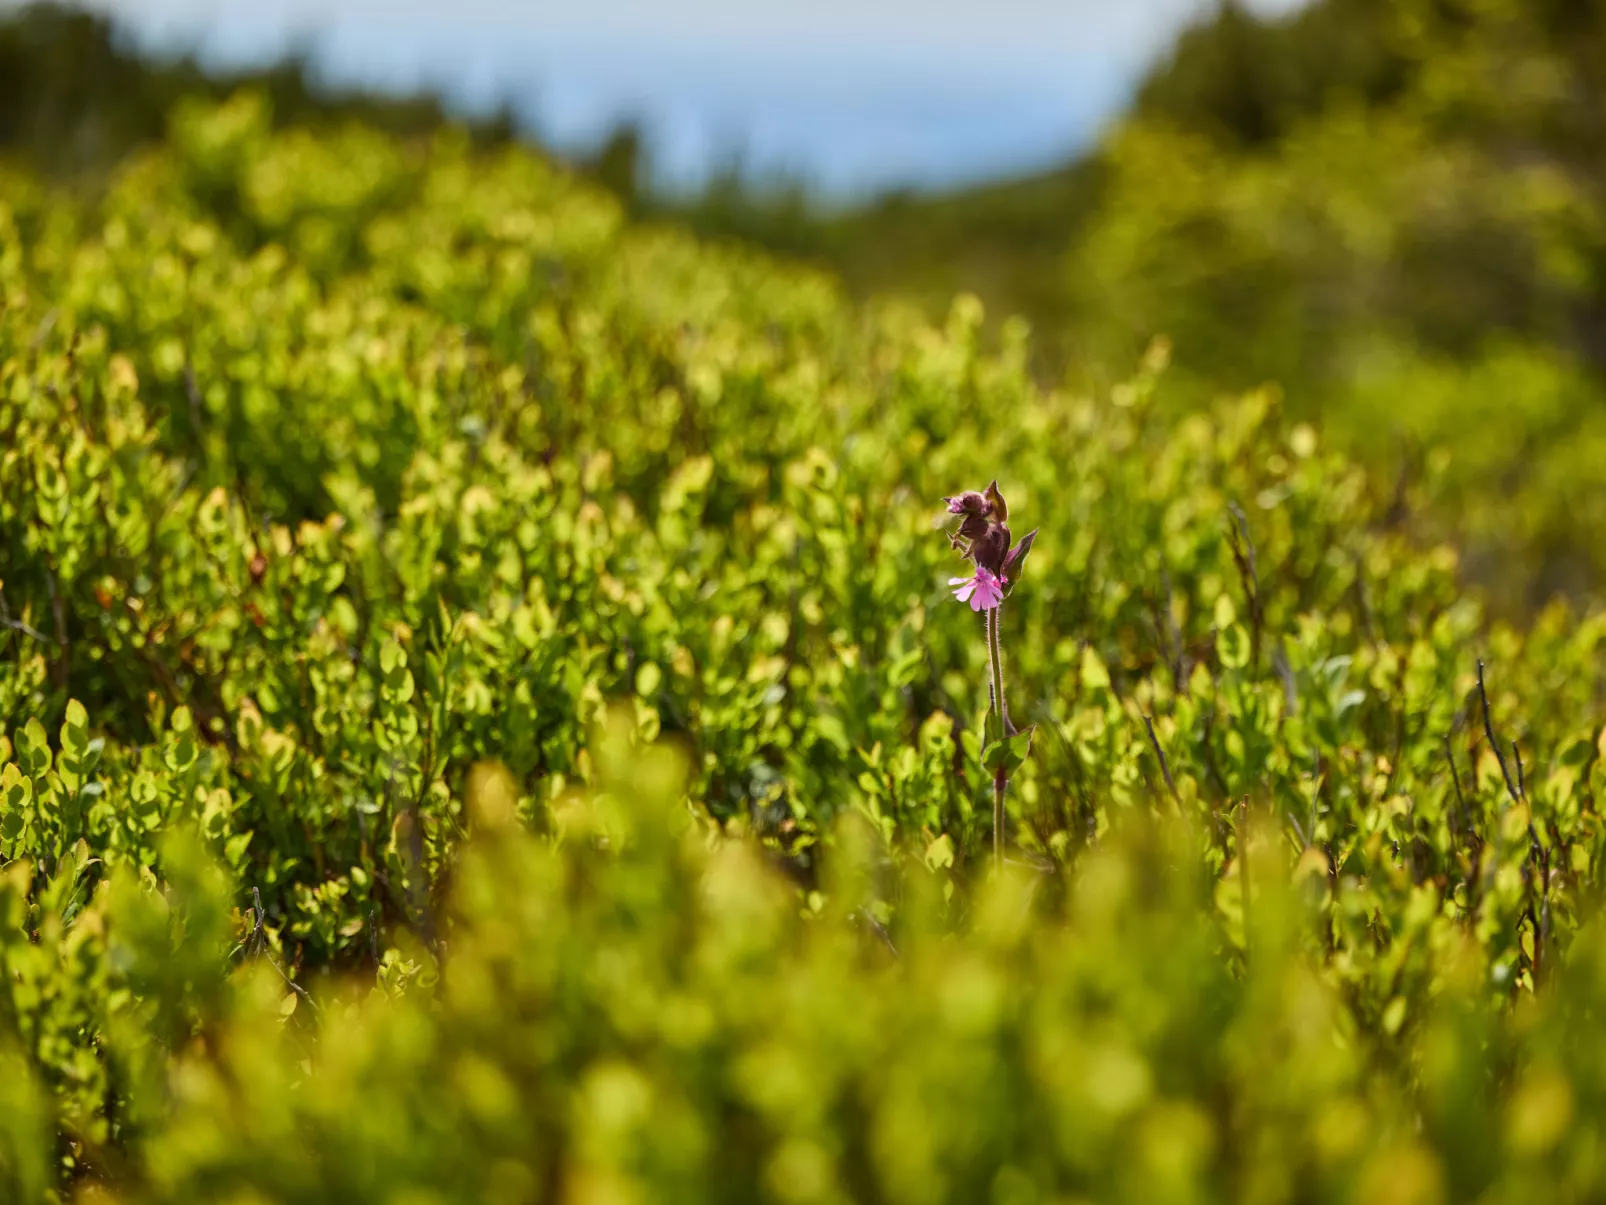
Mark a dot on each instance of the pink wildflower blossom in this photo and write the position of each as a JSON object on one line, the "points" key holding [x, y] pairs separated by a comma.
{"points": [[983, 539], [983, 592]]}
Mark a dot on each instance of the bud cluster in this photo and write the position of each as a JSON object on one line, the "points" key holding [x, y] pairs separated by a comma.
{"points": [[983, 539]]}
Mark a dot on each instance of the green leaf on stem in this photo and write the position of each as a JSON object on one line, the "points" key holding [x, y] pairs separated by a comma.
{"points": [[994, 726], [1009, 753]]}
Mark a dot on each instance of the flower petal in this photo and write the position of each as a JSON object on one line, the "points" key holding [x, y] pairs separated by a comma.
{"points": [[989, 590]]}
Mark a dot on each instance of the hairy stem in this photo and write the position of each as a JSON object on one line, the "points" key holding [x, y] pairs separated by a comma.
{"points": [[1000, 778]]}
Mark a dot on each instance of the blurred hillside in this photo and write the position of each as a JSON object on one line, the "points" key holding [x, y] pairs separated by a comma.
{"points": [[1396, 212]]}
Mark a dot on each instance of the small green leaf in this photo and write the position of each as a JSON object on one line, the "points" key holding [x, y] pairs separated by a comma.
{"points": [[1348, 701], [77, 717], [16, 790], [1394, 1015], [234, 849], [940, 853], [180, 754], [33, 749], [391, 657], [142, 790], [995, 726], [1095, 676], [830, 729], [1232, 646], [1008, 754]]}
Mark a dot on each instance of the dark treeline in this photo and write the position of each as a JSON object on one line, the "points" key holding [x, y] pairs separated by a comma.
{"points": [[75, 98]]}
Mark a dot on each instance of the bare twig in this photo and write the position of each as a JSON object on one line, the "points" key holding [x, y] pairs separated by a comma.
{"points": [[418, 881], [1179, 652], [1073, 762], [1279, 662], [880, 930], [192, 394], [258, 945], [1243, 555], [1165, 769], [42, 332], [17, 625], [1243, 871], [1463, 822], [1488, 731], [24, 629], [1362, 600], [1538, 856], [58, 611]]}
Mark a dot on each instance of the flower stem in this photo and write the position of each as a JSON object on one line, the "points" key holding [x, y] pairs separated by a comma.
{"points": [[1000, 777]]}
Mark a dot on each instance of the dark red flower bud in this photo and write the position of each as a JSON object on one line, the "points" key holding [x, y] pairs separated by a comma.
{"points": [[990, 548], [968, 503], [973, 528]]}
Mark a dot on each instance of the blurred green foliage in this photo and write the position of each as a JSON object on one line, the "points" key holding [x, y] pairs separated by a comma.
{"points": [[483, 721], [1395, 212], [1361, 202], [1410, 242]]}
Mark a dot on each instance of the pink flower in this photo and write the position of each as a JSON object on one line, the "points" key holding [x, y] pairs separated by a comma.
{"points": [[983, 592]]}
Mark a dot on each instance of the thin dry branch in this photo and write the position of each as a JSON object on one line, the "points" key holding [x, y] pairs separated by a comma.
{"points": [[1488, 731]]}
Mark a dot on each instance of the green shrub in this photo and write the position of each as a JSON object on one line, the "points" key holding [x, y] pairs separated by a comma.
{"points": [[484, 721]]}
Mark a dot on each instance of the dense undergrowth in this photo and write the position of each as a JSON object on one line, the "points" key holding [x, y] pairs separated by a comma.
{"points": [[1357, 200], [484, 721]]}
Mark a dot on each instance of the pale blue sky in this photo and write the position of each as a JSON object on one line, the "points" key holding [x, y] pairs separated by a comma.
{"points": [[855, 95]]}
